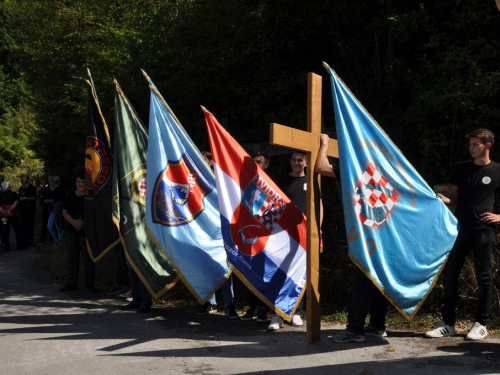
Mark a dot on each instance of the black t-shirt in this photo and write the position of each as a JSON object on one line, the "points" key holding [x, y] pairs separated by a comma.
{"points": [[295, 188], [44, 194], [8, 197], [74, 205], [477, 185], [27, 206], [57, 195]]}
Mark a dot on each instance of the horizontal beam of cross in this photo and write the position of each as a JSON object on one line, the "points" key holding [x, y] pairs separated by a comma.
{"points": [[282, 135]]}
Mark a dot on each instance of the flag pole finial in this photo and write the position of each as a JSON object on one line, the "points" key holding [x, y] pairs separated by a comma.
{"points": [[325, 65], [145, 74]]}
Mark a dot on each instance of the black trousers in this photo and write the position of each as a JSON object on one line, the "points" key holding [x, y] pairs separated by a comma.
{"points": [[122, 277], [28, 227], [365, 298], [14, 222], [45, 220], [76, 247], [481, 242], [140, 293]]}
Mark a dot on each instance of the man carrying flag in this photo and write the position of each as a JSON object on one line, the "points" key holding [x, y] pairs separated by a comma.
{"points": [[150, 266], [182, 213], [264, 233], [399, 233], [100, 231], [365, 297]]}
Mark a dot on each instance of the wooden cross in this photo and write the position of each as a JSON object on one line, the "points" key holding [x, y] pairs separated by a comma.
{"points": [[309, 142]]}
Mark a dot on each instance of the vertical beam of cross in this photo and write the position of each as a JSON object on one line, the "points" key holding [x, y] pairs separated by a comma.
{"points": [[309, 142]]}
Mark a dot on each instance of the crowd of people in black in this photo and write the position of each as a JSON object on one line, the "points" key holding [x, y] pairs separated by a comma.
{"points": [[18, 211]]}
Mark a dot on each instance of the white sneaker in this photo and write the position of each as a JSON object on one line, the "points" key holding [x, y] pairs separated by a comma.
{"points": [[297, 321], [276, 323], [441, 330], [371, 330], [477, 332]]}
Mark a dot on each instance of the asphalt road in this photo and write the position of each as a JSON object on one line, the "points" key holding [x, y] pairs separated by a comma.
{"points": [[44, 331]]}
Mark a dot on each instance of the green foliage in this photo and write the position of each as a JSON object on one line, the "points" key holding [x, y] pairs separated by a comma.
{"points": [[444, 81], [18, 127]]}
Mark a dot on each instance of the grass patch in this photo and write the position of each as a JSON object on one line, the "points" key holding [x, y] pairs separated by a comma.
{"points": [[339, 317]]}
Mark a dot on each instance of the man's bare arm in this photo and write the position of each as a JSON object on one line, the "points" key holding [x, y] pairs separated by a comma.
{"points": [[323, 166]]}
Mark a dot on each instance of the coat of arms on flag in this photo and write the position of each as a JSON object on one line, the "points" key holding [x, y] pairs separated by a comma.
{"points": [[374, 197], [138, 186], [178, 192], [97, 165], [256, 217]]}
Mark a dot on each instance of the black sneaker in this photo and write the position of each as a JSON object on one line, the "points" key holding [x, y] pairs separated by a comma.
{"points": [[131, 305], [91, 289], [67, 287], [250, 314], [114, 290], [143, 309], [262, 315], [231, 312], [206, 308], [348, 336]]}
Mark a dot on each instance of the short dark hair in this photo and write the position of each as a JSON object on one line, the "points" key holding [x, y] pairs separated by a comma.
{"points": [[263, 154], [207, 155], [299, 152], [80, 175], [484, 135]]}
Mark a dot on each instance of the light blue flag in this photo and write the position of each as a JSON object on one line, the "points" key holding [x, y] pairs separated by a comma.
{"points": [[182, 212], [399, 232]]}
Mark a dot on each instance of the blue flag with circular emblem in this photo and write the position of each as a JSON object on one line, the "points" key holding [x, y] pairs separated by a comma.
{"points": [[182, 208]]}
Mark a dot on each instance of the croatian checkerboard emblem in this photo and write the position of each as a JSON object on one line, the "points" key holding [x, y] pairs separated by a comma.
{"points": [[255, 219], [138, 186], [374, 198], [269, 214]]}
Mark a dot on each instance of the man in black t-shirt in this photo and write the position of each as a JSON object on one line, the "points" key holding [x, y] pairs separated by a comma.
{"points": [[294, 185], [76, 243], [473, 188], [27, 207]]}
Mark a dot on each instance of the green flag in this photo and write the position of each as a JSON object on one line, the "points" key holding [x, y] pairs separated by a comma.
{"points": [[129, 199]]}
